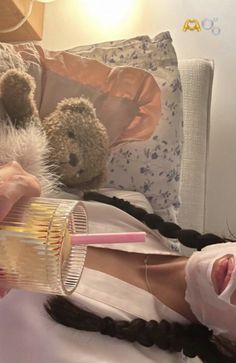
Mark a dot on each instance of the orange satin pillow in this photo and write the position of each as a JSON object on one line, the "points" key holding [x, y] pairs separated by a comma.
{"points": [[126, 99]]}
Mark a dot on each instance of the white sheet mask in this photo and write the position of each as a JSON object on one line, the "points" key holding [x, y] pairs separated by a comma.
{"points": [[212, 310]]}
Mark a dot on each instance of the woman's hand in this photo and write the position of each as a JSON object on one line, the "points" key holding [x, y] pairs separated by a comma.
{"points": [[15, 183]]}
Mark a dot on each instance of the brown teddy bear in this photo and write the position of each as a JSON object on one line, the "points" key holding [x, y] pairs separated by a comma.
{"points": [[79, 143]]}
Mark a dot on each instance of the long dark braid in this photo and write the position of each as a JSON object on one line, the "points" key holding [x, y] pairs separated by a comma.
{"points": [[194, 339], [188, 237]]}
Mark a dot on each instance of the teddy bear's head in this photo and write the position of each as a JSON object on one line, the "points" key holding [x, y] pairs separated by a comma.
{"points": [[79, 143]]}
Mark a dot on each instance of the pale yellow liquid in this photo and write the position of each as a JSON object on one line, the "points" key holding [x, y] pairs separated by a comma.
{"points": [[30, 257]]}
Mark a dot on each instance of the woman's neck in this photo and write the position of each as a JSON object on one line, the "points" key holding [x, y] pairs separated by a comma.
{"points": [[166, 279]]}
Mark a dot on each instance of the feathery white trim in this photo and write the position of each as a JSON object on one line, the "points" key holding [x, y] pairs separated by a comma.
{"points": [[30, 148]]}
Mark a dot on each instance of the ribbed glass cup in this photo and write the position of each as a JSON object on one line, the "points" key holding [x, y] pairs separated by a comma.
{"points": [[35, 249]]}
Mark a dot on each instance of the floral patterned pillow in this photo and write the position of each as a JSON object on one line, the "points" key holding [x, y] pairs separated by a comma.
{"points": [[151, 167]]}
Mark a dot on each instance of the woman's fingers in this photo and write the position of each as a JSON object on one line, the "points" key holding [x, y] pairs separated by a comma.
{"points": [[15, 183], [9, 169]]}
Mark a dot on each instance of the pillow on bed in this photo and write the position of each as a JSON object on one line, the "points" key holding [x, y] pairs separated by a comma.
{"points": [[151, 166]]}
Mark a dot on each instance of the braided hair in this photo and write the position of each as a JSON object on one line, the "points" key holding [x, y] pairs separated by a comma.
{"points": [[193, 340], [187, 237]]}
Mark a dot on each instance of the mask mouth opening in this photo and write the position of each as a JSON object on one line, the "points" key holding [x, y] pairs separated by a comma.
{"points": [[222, 272]]}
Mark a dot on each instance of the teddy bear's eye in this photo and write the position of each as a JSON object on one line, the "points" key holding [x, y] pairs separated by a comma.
{"points": [[71, 134]]}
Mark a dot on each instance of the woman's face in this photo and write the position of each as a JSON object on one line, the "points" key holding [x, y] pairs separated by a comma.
{"points": [[211, 287]]}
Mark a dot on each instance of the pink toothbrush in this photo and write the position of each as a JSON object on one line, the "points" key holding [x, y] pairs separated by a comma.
{"points": [[107, 238]]}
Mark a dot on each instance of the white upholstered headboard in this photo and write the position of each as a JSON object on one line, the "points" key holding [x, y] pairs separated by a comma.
{"points": [[197, 79]]}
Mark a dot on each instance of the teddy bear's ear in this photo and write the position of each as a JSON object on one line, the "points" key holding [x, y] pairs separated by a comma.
{"points": [[79, 105], [17, 95], [94, 183]]}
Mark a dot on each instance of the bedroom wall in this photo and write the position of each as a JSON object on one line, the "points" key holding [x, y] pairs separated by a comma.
{"points": [[67, 25]]}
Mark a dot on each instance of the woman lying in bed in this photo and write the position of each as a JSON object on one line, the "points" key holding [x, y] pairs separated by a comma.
{"points": [[135, 303]]}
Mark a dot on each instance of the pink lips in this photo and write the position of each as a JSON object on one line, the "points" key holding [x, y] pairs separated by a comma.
{"points": [[221, 272]]}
